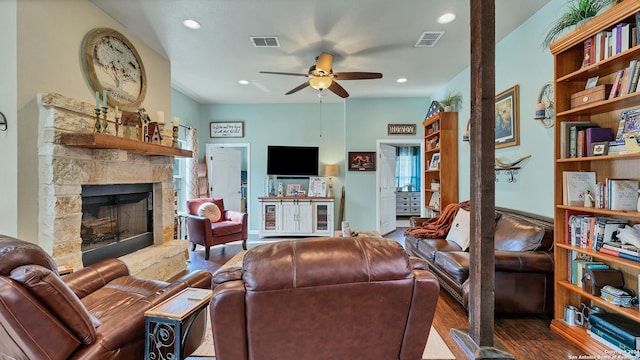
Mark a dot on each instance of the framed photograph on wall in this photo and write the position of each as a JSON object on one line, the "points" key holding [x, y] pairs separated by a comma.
{"points": [[507, 115], [362, 161]]}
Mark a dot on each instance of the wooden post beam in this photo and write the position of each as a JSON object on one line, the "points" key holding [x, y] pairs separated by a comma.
{"points": [[478, 342]]}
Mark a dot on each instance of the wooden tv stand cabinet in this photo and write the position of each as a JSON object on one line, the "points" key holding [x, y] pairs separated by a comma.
{"points": [[296, 216]]}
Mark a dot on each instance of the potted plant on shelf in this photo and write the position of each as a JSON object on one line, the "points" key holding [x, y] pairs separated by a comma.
{"points": [[452, 101], [577, 13]]}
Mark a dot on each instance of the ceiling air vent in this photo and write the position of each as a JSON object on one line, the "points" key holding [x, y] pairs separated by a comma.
{"points": [[265, 41], [429, 38]]}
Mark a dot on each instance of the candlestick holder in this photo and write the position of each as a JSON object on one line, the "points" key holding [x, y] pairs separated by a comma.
{"points": [[175, 136], [97, 126], [117, 122], [104, 120]]}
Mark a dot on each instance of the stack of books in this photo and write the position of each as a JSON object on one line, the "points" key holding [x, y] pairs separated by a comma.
{"points": [[616, 331]]}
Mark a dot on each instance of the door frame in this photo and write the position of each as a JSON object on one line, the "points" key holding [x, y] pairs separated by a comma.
{"points": [[401, 142], [247, 152]]}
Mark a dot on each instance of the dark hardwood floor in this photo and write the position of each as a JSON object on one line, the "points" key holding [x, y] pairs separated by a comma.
{"points": [[527, 338]]}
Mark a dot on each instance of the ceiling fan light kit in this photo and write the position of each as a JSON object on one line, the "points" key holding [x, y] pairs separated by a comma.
{"points": [[321, 76]]}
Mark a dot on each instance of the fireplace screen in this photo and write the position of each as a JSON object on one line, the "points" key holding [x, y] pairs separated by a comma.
{"points": [[116, 220]]}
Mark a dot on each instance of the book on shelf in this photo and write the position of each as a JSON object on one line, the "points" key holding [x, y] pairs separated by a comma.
{"points": [[589, 52], [635, 74], [622, 248], [569, 221], [624, 82], [574, 138], [621, 327], [622, 194], [596, 134], [615, 87], [609, 340], [607, 227], [575, 185], [565, 127]]}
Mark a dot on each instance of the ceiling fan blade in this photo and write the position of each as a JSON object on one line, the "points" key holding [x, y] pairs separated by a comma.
{"points": [[283, 73], [356, 75], [298, 88], [338, 90]]}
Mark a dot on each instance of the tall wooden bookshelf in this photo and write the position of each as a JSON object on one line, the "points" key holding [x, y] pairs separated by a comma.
{"points": [[441, 139], [570, 77]]}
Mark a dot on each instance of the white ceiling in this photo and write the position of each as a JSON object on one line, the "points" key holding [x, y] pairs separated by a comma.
{"points": [[363, 35]]}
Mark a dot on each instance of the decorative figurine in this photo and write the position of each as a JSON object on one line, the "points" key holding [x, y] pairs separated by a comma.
{"points": [[280, 193], [588, 199]]}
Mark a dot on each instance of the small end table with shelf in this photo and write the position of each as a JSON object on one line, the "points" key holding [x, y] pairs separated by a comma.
{"points": [[167, 324]]}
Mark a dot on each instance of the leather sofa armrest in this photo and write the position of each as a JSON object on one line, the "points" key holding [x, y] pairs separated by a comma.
{"points": [[425, 297], [229, 320], [236, 216], [523, 261], [93, 277], [200, 279], [416, 263], [199, 229]]}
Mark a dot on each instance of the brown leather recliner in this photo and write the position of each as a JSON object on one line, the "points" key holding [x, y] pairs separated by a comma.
{"points": [[232, 226], [94, 313], [325, 298]]}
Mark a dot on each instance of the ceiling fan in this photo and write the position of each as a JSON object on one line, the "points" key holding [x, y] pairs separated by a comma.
{"points": [[321, 76]]}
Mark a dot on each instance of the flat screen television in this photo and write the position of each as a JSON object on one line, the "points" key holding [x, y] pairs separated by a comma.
{"points": [[292, 160]]}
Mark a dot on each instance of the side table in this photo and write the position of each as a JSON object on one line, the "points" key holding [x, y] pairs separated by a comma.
{"points": [[167, 324]]}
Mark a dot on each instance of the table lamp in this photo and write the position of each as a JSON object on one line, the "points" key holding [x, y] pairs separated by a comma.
{"points": [[330, 170]]}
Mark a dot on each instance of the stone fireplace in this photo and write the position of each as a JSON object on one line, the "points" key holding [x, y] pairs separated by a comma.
{"points": [[65, 170]]}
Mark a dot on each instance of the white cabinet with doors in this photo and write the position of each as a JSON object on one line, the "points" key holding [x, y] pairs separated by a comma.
{"points": [[292, 216]]}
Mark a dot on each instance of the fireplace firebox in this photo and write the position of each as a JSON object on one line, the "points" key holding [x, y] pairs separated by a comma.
{"points": [[116, 220]]}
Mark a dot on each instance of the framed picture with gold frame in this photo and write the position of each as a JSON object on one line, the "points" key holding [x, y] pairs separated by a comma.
{"points": [[112, 63], [507, 122]]}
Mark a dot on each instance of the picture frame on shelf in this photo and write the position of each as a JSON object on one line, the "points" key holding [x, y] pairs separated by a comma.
{"points": [[591, 82], [317, 186], [362, 161], [293, 189], [226, 129], [507, 118], [599, 148], [434, 164]]}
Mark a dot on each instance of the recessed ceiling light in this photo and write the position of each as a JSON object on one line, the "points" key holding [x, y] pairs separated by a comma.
{"points": [[446, 18], [401, 80], [243, 82], [191, 24]]}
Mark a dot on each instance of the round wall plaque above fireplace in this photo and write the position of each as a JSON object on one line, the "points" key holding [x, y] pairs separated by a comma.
{"points": [[112, 63]]}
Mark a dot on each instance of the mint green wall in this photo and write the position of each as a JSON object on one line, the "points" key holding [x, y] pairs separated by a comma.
{"points": [[357, 124], [185, 108], [280, 124], [519, 60], [367, 121]]}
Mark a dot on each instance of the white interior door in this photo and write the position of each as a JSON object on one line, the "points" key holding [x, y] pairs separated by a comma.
{"points": [[224, 172], [387, 193]]}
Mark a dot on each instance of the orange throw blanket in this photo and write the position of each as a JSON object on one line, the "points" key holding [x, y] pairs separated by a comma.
{"points": [[437, 227]]}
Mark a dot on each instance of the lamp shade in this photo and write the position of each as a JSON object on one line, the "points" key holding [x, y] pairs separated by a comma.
{"points": [[330, 170], [320, 83]]}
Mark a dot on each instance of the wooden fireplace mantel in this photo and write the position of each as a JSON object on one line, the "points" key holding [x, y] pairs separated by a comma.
{"points": [[105, 141]]}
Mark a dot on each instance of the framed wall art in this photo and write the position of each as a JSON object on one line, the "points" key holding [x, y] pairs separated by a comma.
{"points": [[434, 164], [111, 63], [229, 129], [362, 161], [507, 122]]}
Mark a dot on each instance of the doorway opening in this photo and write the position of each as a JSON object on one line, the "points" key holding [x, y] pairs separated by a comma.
{"points": [[399, 180], [229, 173]]}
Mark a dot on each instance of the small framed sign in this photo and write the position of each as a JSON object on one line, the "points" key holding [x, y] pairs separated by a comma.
{"points": [[230, 129], [401, 129]]}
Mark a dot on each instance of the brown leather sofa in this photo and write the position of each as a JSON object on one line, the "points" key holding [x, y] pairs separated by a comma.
{"points": [[94, 313], [324, 298], [523, 263]]}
